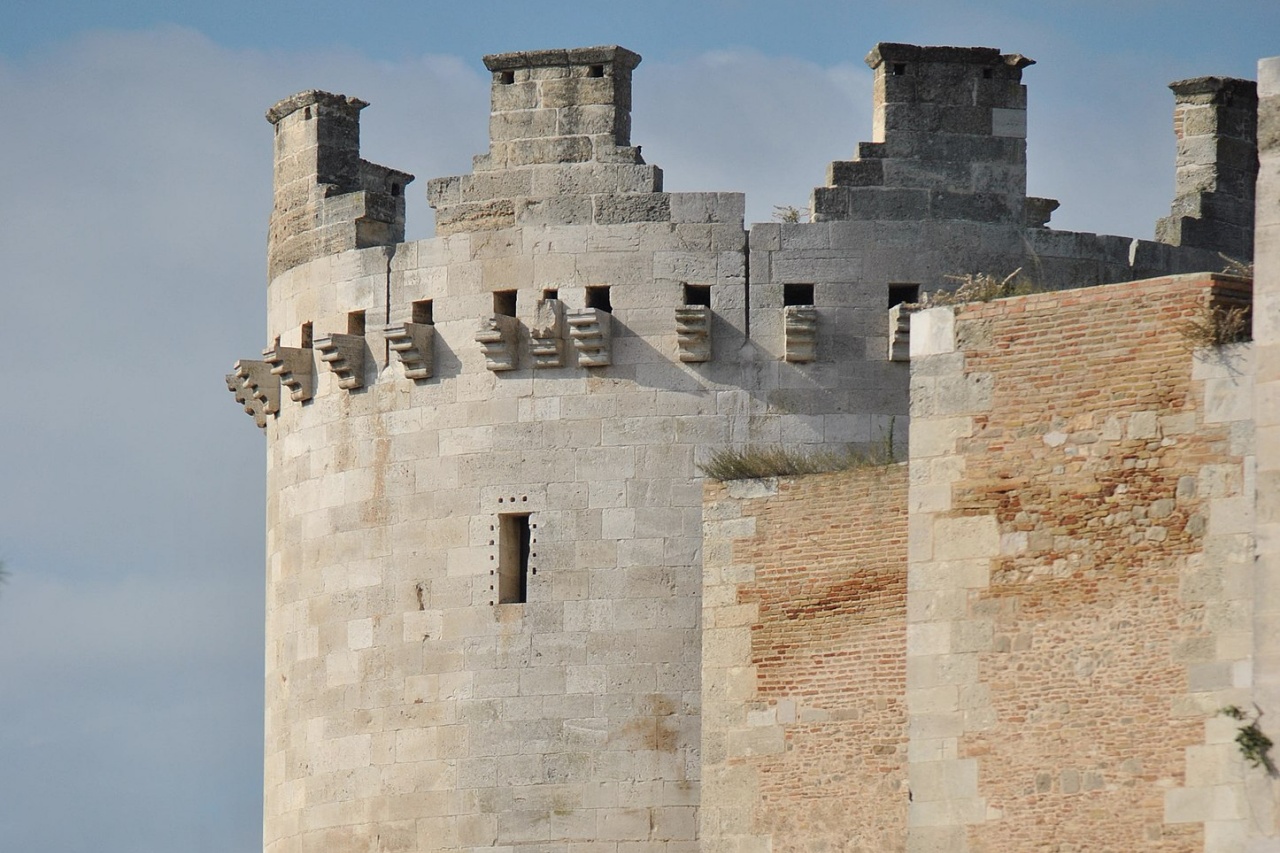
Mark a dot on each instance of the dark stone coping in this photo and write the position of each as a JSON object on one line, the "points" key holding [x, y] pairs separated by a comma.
{"points": [[897, 52], [293, 103]]}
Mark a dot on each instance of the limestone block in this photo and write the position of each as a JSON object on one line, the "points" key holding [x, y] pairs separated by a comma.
{"points": [[547, 334], [591, 330], [693, 333], [497, 337], [933, 332], [345, 356], [800, 326], [296, 369], [415, 344]]}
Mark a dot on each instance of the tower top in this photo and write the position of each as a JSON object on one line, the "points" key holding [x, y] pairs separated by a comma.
{"points": [[894, 52], [619, 57], [314, 97]]}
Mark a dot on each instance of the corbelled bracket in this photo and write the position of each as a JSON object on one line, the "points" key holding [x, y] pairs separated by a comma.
{"points": [[255, 388], [800, 325], [592, 333], [497, 337], [900, 331], [693, 333], [547, 334], [296, 369], [345, 356], [415, 344]]}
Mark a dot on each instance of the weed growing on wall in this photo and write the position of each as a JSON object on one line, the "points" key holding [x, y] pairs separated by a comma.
{"points": [[980, 287], [758, 463], [1219, 325], [1254, 744]]}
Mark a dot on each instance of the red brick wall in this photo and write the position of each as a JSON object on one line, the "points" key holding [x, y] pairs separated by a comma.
{"points": [[830, 583], [1092, 451]]}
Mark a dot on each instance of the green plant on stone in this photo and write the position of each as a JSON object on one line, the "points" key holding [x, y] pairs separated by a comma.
{"points": [[789, 214], [1254, 744]]}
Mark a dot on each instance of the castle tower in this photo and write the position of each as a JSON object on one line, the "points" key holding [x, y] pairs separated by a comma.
{"points": [[1215, 121], [484, 512]]}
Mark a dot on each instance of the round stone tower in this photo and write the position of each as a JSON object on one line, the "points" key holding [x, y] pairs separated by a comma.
{"points": [[484, 512]]}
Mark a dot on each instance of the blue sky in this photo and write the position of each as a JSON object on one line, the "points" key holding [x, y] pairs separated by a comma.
{"points": [[136, 167]]}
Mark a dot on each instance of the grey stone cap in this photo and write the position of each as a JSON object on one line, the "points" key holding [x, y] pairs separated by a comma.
{"points": [[619, 56], [296, 102], [1219, 87], [887, 51]]}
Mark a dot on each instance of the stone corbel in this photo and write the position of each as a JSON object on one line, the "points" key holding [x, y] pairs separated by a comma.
{"points": [[255, 388], [547, 334], [415, 344], [800, 325], [296, 369], [497, 338], [592, 334], [693, 332], [900, 331], [345, 356]]}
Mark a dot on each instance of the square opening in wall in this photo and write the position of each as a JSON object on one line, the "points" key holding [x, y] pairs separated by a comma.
{"points": [[422, 313], [513, 558], [355, 322], [797, 294], [697, 294], [550, 293], [899, 293], [595, 71], [506, 78], [598, 297], [504, 302]]}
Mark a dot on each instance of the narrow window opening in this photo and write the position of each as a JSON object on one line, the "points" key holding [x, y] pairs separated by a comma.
{"points": [[513, 558], [355, 322], [422, 313], [899, 293], [306, 335], [697, 294], [899, 69], [598, 297], [504, 302], [797, 294], [306, 113], [506, 78], [986, 73], [395, 190], [595, 71], [550, 293]]}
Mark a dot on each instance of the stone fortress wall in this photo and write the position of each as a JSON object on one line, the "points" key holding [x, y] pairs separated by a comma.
{"points": [[485, 517]]}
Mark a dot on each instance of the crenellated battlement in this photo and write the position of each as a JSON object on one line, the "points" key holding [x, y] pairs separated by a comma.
{"points": [[1215, 120], [327, 199], [560, 148]]}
